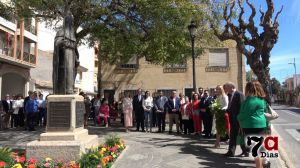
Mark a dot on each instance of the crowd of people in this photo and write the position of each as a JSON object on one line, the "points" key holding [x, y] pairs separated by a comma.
{"points": [[17, 112], [243, 114], [190, 113]]}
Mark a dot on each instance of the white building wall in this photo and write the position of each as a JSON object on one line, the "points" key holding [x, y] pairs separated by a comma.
{"points": [[87, 60], [296, 80]]}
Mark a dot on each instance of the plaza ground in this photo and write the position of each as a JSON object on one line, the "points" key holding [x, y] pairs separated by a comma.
{"points": [[152, 150]]}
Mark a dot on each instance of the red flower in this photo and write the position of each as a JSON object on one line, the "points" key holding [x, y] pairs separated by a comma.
{"points": [[110, 157], [31, 166], [113, 149], [2, 164], [21, 159], [32, 161]]}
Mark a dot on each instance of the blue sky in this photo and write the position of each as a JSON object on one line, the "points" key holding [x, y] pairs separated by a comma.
{"points": [[288, 45]]}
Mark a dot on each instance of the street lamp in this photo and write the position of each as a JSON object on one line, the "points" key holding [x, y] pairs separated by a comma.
{"points": [[294, 63], [192, 29]]}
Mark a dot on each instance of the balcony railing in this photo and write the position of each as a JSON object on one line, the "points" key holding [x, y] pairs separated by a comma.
{"points": [[7, 51], [175, 68], [31, 29], [30, 58]]}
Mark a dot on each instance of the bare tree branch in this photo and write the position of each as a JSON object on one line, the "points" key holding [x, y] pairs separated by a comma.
{"points": [[262, 16], [277, 14]]}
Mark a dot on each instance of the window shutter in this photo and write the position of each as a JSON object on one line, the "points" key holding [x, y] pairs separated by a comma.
{"points": [[218, 57]]}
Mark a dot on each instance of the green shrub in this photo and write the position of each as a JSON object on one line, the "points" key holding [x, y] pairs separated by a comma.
{"points": [[6, 155], [112, 140]]}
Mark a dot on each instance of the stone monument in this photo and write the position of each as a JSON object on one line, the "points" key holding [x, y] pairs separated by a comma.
{"points": [[65, 137]]}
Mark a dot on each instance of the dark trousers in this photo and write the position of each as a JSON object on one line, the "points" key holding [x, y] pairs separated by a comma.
{"points": [[21, 118], [180, 122], [234, 130], [161, 121], [14, 120], [31, 120], [154, 118], [207, 122], [139, 117], [187, 126]]}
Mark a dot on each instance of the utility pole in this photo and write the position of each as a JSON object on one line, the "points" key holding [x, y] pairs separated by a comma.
{"points": [[295, 76]]}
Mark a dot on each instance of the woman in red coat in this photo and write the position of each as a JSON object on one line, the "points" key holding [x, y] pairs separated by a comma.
{"points": [[103, 112], [196, 115]]}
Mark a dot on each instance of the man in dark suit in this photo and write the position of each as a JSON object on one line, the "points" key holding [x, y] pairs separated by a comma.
{"points": [[160, 111], [7, 108], [235, 99], [138, 109], [207, 117], [173, 106]]}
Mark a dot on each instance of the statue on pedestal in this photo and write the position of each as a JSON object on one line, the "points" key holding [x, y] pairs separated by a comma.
{"points": [[65, 56]]}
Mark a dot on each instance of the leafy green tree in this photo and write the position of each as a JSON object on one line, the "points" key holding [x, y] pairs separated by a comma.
{"points": [[276, 86], [123, 29]]}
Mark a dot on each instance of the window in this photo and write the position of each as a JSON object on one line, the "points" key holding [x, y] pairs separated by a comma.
{"points": [[218, 58], [176, 68], [131, 93], [131, 64], [167, 92]]}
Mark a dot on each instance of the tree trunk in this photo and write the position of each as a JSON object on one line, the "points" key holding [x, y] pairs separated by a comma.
{"points": [[99, 74], [263, 76]]}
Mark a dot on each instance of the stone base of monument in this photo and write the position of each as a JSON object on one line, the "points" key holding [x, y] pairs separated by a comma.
{"points": [[65, 138]]}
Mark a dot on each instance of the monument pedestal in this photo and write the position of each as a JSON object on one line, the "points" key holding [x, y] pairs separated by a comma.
{"points": [[65, 137]]}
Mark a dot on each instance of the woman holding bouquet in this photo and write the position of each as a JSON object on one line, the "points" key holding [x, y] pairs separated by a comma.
{"points": [[222, 99]]}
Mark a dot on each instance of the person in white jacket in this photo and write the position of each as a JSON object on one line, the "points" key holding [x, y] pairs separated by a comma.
{"points": [[18, 105], [148, 105]]}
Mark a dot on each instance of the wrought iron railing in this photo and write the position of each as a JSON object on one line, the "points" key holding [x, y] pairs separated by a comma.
{"points": [[31, 29]]}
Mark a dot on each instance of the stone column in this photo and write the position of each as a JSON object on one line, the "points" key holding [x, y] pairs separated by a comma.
{"points": [[0, 86]]}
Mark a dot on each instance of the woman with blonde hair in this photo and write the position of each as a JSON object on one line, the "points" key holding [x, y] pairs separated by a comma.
{"points": [[127, 110], [251, 116], [222, 98]]}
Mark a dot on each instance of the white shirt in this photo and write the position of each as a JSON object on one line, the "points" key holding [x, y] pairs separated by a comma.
{"points": [[140, 97], [174, 102], [223, 99], [148, 102], [17, 105]]}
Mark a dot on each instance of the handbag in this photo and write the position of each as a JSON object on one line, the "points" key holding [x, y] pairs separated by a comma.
{"points": [[271, 114]]}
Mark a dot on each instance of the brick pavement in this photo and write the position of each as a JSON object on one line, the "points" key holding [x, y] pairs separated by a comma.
{"points": [[151, 150]]}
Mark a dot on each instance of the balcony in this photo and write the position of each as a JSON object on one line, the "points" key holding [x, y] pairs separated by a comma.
{"points": [[6, 55], [29, 33], [7, 51], [175, 68], [9, 24], [31, 29], [30, 58]]}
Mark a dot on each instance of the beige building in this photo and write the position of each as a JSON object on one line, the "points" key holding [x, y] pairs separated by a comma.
{"points": [[216, 66], [18, 54]]}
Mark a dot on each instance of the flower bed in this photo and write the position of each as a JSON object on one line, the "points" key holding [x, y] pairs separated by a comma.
{"points": [[102, 156]]}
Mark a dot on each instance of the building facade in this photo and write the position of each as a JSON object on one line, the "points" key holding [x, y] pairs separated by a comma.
{"points": [[18, 54], [215, 67]]}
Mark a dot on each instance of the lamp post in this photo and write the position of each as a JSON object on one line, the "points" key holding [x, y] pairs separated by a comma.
{"points": [[294, 63], [192, 29]]}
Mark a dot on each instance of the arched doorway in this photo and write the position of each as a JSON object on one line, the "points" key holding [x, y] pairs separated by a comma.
{"points": [[12, 84]]}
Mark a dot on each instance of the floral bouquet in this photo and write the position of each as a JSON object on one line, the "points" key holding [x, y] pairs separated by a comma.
{"points": [[216, 110]]}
